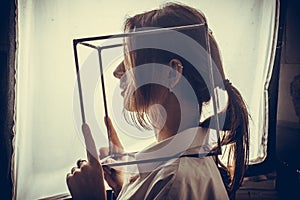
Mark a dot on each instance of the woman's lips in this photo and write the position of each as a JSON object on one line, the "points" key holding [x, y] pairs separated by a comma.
{"points": [[122, 93], [123, 86]]}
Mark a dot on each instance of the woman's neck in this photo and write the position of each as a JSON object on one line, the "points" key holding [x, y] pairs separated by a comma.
{"points": [[177, 117]]}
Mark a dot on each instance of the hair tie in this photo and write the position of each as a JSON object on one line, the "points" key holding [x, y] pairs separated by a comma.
{"points": [[227, 83]]}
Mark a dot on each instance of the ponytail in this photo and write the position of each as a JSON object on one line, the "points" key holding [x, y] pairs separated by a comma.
{"points": [[236, 129], [237, 135]]}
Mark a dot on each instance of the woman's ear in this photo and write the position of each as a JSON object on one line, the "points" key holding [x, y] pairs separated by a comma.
{"points": [[175, 72]]}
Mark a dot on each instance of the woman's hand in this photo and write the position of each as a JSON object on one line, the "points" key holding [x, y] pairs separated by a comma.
{"points": [[86, 180], [113, 176]]}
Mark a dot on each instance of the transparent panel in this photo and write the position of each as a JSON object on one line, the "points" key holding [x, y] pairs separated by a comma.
{"points": [[99, 94]]}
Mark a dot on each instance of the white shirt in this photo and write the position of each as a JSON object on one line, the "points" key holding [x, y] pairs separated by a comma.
{"points": [[178, 178]]}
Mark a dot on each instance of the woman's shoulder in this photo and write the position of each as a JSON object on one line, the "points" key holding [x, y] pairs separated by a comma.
{"points": [[196, 178], [190, 170], [193, 169]]}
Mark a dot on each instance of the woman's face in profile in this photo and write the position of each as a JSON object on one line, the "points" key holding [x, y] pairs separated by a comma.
{"points": [[126, 85]]}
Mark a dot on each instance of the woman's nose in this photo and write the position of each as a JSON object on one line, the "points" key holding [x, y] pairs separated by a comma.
{"points": [[119, 71]]}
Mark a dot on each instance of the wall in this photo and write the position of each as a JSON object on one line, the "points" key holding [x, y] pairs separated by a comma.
{"points": [[288, 123], [290, 63]]}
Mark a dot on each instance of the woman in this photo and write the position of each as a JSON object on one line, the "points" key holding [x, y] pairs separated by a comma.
{"points": [[176, 121]]}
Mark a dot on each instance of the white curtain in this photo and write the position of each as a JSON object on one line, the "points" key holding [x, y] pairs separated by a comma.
{"points": [[47, 144]]}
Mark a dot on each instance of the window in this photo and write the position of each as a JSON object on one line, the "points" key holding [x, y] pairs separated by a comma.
{"points": [[47, 143]]}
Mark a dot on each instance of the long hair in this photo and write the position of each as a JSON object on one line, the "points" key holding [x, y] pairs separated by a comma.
{"points": [[235, 129]]}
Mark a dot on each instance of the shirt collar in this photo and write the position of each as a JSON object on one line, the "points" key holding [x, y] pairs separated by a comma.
{"points": [[190, 141]]}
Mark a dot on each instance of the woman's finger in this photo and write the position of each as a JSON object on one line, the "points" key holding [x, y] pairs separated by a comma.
{"points": [[113, 135], [104, 152], [106, 169], [73, 170], [80, 163], [91, 150]]}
